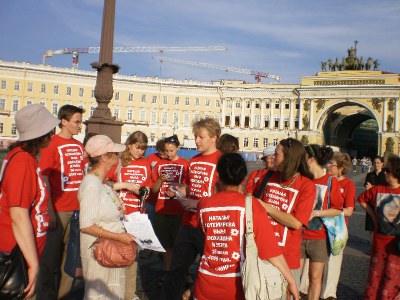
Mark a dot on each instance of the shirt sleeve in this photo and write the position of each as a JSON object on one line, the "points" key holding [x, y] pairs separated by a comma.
{"points": [[250, 182], [264, 236], [89, 196], [305, 203], [349, 195], [367, 197], [46, 161], [154, 172], [20, 192]]}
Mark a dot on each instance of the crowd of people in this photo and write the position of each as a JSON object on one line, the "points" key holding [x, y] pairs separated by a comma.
{"points": [[196, 207]]}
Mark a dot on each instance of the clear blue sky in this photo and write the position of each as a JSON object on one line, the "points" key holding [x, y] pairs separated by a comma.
{"points": [[285, 37]]}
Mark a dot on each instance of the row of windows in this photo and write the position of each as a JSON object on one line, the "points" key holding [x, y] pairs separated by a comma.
{"points": [[68, 92], [13, 129], [247, 104], [256, 142]]}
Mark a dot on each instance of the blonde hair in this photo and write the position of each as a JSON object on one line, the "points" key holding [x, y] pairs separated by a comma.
{"points": [[211, 125], [343, 160], [135, 137]]}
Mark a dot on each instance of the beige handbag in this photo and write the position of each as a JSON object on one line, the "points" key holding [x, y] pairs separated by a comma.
{"points": [[260, 279]]}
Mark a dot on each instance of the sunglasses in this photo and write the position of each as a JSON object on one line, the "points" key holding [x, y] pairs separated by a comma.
{"points": [[172, 139], [310, 150]]}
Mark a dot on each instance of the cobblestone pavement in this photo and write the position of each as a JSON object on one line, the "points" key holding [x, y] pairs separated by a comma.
{"points": [[354, 273]]}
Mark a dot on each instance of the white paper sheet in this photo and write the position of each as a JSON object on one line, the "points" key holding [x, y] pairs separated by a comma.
{"points": [[140, 227]]}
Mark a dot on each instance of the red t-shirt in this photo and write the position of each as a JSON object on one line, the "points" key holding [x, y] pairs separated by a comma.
{"points": [[139, 172], [252, 180], [296, 199], [177, 171], [321, 198], [23, 186], [385, 201], [153, 159], [348, 190], [222, 218], [201, 179], [62, 162]]}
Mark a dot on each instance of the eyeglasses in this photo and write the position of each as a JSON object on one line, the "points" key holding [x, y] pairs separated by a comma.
{"points": [[77, 122], [331, 164]]}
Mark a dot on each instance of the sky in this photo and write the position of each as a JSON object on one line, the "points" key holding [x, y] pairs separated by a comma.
{"points": [[288, 38]]}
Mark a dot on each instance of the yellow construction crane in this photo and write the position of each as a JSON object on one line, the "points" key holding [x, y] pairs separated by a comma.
{"points": [[93, 50], [257, 74]]}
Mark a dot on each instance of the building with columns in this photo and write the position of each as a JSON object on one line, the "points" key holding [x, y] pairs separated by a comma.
{"points": [[336, 108]]}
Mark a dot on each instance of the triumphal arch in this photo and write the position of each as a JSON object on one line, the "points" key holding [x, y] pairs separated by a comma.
{"points": [[335, 102]]}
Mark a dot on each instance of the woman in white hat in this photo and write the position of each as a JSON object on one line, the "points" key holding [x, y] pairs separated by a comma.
{"points": [[101, 215], [24, 198]]}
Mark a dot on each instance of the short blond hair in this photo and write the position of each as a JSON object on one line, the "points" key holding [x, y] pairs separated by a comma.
{"points": [[209, 124]]}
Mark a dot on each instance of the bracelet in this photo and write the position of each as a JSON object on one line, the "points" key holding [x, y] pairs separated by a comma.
{"points": [[318, 213], [101, 232]]}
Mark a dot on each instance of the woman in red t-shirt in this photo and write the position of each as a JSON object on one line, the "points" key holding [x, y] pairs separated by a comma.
{"points": [[23, 198], [315, 240], [338, 166], [382, 203], [222, 220], [167, 172]]}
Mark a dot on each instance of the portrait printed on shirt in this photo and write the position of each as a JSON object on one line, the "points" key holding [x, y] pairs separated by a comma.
{"points": [[316, 223], [71, 159], [224, 240], [388, 211], [201, 176]]}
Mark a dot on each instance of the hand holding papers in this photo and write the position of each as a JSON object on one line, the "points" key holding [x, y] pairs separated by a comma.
{"points": [[140, 227]]}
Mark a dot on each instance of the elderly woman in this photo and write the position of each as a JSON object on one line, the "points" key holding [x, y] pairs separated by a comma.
{"points": [[23, 198], [382, 203], [101, 215]]}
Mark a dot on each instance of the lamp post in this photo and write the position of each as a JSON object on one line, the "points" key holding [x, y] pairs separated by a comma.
{"points": [[102, 122]]}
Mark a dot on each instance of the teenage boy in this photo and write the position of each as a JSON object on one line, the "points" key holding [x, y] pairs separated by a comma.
{"points": [[62, 166], [200, 184]]}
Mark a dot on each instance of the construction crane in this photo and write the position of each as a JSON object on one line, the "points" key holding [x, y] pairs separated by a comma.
{"points": [[93, 50], [258, 75]]}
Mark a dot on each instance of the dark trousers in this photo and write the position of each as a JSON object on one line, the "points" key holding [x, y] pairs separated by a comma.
{"points": [[188, 244]]}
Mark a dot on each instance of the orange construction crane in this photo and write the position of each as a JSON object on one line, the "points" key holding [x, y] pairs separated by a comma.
{"points": [[258, 75], [76, 51]]}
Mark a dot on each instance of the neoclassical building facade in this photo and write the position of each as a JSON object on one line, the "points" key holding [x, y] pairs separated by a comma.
{"points": [[324, 108]]}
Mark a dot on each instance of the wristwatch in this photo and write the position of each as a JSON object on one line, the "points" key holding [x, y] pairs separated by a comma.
{"points": [[318, 213]]}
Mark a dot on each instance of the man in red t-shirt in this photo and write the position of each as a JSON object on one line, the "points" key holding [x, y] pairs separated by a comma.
{"points": [[200, 184], [63, 169]]}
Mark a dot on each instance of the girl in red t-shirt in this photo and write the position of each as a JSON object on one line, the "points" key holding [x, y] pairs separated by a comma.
{"points": [[382, 203], [315, 239], [167, 172], [338, 166], [23, 196], [222, 218]]}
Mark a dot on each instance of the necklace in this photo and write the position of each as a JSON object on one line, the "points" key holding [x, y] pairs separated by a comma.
{"points": [[290, 184], [114, 198]]}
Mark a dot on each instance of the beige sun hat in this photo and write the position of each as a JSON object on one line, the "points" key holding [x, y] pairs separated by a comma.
{"points": [[34, 121], [102, 144]]}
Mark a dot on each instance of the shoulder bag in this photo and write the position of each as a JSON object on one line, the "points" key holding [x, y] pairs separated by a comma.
{"points": [[73, 263], [336, 228], [112, 254], [260, 279], [13, 268]]}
